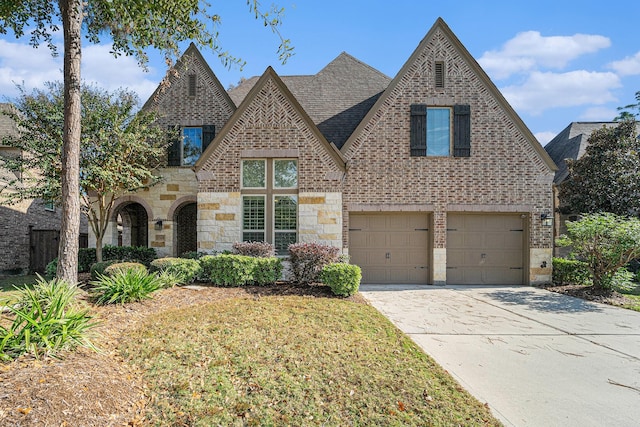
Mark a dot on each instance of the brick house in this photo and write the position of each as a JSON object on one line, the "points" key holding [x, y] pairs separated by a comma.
{"points": [[429, 178], [30, 228]]}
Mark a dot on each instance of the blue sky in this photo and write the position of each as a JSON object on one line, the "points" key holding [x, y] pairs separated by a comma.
{"points": [[555, 61]]}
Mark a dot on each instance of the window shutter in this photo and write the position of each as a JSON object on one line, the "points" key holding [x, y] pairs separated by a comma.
{"points": [[173, 151], [461, 131], [208, 133], [418, 142]]}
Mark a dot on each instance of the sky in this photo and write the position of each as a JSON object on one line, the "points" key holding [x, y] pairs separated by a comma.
{"points": [[556, 62]]}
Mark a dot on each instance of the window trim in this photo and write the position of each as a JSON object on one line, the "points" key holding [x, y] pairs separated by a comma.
{"points": [[264, 230], [274, 231], [450, 150]]}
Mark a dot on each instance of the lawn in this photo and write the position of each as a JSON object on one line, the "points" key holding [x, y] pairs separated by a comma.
{"points": [[633, 295], [8, 286], [291, 360]]}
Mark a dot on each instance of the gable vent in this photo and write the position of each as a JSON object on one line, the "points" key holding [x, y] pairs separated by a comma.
{"points": [[439, 74], [192, 85]]}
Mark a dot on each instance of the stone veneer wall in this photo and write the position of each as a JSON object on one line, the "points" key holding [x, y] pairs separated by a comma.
{"points": [[504, 173], [320, 218]]}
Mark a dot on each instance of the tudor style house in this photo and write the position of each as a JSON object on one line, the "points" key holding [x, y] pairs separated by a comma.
{"points": [[427, 178]]}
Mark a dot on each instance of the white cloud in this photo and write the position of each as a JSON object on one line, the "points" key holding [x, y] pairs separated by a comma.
{"points": [[544, 137], [544, 90], [629, 66], [530, 50], [21, 63], [599, 114]]}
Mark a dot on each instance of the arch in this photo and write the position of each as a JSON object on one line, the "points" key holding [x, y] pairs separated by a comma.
{"points": [[178, 204], [125, 200], [185, 228]]}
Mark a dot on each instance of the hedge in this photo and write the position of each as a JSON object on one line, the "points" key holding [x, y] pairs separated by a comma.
{"points": [[307, 260], [240, 270], [570, 272], [343, 279], [186, 269]]}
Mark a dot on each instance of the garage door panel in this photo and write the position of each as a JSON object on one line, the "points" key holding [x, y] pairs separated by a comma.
{"points": [[485, 249], [390, 247]]}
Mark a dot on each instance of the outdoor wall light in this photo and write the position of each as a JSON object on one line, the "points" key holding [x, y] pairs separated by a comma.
{"points": [[546, 219], [158, 225]]}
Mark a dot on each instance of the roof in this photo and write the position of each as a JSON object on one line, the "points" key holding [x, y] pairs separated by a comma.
{"points": [[473, 64], [571, 143], [336, 98], [7, 125]]}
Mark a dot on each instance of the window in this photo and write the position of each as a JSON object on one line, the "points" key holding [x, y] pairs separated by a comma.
{"points": [[438, 131], [434, 133], [270, 201], [49, 206], [190, 145]]}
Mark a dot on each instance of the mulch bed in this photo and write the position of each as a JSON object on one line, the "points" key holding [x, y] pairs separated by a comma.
{"points": [[590, 293], [85, 388]]}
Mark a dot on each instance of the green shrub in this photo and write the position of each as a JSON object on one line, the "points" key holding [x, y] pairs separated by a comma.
{"points": [[47, 319], [192, 255], [570, 272], [51, 268], [139, 254], [227, 270], [621, 280], [254, 249], [343, 279], [168, 279], [125, 286], [98, 268], [120, 267], [86, 258], [307, 260], [184, 269], [266, 271]]}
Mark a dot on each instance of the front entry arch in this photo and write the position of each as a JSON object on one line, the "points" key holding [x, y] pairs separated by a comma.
{"points": [[185, 220], [133, 225]]}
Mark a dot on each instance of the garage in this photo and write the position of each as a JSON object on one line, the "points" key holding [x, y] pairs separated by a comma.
{"points": [[391, 248], [485, 249]]}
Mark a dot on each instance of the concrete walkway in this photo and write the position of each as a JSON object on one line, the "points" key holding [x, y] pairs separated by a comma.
{"points": [[537, 358]]}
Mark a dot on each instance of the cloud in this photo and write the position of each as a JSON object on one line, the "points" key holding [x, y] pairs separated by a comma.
{"points": [[628, 66], [544, 90], [544, 137], [21, 63], [530, 50]]}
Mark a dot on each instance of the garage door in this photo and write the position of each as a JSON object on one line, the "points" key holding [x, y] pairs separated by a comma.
{"points": [[391, 248], [485, 249]]}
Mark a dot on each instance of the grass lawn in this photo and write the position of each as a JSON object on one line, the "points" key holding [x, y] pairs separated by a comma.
{"points": [[634, 295], [8, 285], [291, 360]]}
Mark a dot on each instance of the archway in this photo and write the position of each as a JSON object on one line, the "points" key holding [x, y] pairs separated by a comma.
{"points": [[185, 220], [133, 225]]}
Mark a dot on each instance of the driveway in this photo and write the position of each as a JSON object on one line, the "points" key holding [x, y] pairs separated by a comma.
{"points": [[536, 357]]}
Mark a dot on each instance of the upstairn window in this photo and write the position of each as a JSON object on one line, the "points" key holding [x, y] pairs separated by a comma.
{"points": [[440, 131], [189, 145], [270, 202]]}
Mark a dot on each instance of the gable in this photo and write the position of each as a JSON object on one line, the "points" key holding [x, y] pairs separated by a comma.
{"points": [[466, 83], [270, 123]]}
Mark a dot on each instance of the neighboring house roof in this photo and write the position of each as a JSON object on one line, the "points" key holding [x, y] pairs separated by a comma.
{"points": [[406, 70], [7, 125], [571, 143], [269, 75], [336, 98]]}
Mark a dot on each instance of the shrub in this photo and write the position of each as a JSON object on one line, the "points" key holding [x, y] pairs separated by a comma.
{"points": [[621, 280], [254, 249], [307, 260], [184, 269], [139, 254], [570, 272], [605, 242], [47, 319], [192, 255], [119, 267], [51, 268], [98, 268], [266, 271], [168, 279], [227, 270], [125, 286], [86, 258], [343, 279]]}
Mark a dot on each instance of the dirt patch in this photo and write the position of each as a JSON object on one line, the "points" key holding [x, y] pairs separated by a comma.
{"points": [[590, 293], [85, 388]]}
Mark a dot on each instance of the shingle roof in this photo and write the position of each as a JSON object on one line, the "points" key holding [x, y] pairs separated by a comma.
{"points": [[7, 125], [571, 144], [336, 98]]}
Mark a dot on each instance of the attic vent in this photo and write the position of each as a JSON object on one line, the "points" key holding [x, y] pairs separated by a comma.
{"points": [[439, 74], [192, 85]]}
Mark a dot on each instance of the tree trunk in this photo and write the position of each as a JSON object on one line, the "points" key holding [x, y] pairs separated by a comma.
{"points": [[70, 226]]}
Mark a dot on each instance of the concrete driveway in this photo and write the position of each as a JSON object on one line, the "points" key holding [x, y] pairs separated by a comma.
{"points": [[537, 358]]}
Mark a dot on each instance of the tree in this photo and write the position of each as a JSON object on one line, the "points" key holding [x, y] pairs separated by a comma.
{"points": [[119, 150], [606, 242], [133, 26], [626, 112], [607, 177]]}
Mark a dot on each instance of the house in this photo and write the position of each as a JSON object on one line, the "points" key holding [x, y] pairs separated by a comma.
{"points": [[30, 228], [427, 178], [571, 143]]}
